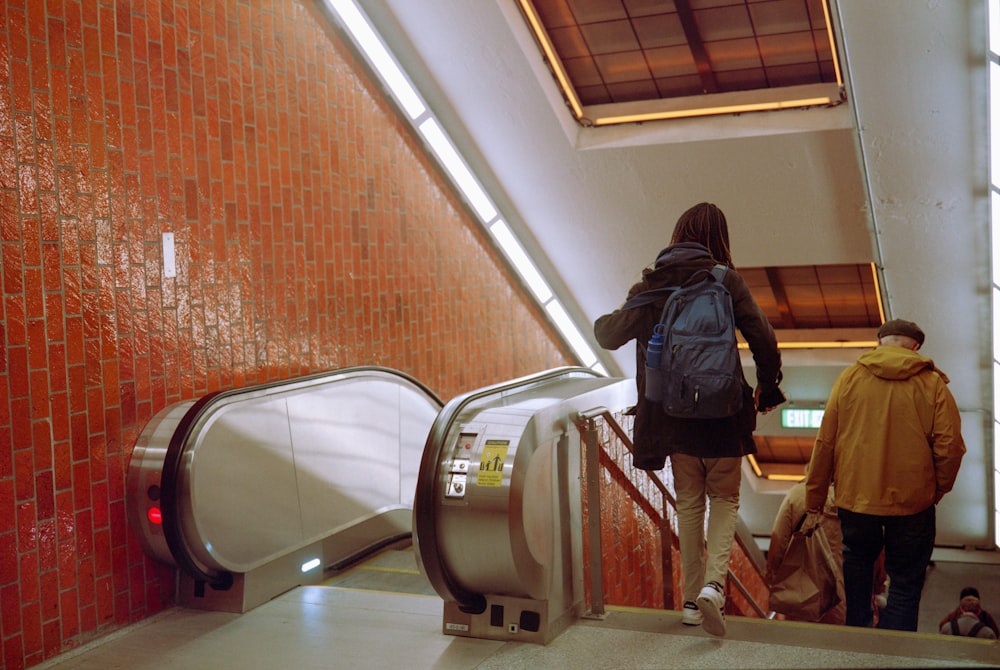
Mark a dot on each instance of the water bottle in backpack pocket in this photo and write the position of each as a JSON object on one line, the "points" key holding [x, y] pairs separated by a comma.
{"points": [[654, 353]]}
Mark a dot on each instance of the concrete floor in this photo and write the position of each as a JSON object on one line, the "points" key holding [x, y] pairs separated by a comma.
{"points": [[383, 614]]}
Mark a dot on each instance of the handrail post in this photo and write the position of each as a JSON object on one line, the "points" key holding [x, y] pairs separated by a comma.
{"points": [[667, 559], [592, 461]]}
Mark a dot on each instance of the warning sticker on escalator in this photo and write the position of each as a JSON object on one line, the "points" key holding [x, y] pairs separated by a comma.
{"points": [[491, 462]]}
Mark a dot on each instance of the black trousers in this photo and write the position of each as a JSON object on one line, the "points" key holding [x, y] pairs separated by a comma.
{"points": [[908, 542]]}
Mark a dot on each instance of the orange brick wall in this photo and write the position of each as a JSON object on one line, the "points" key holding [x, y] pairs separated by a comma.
{"points": [[312, 233]]}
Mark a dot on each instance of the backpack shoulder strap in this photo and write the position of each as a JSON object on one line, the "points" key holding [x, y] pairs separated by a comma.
{"points": [[719, 271], [954, 627], [974, 631]]}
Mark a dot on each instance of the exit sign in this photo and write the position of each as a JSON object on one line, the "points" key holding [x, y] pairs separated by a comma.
{"points": [[801, 418]]}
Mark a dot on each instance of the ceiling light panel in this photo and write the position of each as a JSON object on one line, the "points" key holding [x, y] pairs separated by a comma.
{"points": [[648, 51]]}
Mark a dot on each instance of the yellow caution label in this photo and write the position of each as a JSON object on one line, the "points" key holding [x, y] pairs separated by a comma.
{"points": [[491, 462]]}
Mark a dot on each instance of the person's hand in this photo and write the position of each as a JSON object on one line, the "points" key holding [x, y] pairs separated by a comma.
{"points": [[766, 402]]}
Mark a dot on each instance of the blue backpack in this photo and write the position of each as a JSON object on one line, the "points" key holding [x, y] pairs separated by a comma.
{"points": [[693, 367]]}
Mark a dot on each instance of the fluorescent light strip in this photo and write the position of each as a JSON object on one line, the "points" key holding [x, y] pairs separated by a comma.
{"points": [[778, 478], [994, 122], [379, 57], [995, 235], [569, 92], [524, 266], [457, 168], [713, 111], [993, 175], [878, 294], [833, 44], [994, 31], [569, 330], [996, 390], [832, 344]]}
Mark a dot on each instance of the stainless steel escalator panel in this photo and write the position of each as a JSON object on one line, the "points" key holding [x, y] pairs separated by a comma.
{"points": [[500, 537], [239, 500], [483, 534], [279, 471], [498, 516], [142, 486], [328, 461]]}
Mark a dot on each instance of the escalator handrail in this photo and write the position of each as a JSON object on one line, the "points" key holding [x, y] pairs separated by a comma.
{"points": [[179, 441], [428, 485]]}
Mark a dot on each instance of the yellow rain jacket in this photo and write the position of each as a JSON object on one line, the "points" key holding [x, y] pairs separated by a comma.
{"points": [[891, 438]]}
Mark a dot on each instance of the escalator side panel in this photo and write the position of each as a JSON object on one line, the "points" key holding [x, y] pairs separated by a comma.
{"points": [[477, 544], [143, 491], [348, 459], [507, 546], [242, 496], [416, 416]]}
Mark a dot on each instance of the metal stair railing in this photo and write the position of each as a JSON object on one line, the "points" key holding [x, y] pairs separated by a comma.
{"points": [[595, 457]]}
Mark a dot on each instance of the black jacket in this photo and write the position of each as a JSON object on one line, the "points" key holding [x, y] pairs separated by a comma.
{"points": [[656, 435]]}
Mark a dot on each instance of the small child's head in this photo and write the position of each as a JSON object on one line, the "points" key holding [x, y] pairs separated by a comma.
{"points": [[969, 599]]}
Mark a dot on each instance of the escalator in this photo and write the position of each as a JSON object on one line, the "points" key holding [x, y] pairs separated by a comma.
{"points": [[497, 509], [253, 491]]}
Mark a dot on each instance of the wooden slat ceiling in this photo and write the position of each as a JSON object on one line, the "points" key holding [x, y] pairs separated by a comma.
{"points": [[617, 51], [816, 296]]}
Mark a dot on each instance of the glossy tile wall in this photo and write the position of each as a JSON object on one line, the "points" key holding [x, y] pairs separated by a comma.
{"points": [[311, 233]]}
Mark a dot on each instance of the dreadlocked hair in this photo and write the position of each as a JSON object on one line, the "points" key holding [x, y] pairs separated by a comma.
{"points": [[705, 224]]}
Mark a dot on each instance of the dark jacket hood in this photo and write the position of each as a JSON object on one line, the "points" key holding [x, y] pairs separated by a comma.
{"points": [[684, 255]]}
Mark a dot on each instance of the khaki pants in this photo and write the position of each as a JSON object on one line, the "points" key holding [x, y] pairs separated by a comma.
{"points": [[718, 481]]}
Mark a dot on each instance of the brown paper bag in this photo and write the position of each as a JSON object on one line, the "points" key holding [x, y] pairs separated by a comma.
{"points": [[805, 584]]}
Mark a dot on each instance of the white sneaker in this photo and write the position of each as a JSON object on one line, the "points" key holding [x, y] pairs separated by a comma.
{"points": [[690, 614], [711, 600]]}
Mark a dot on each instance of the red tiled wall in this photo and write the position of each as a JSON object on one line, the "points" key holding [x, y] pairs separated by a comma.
{"points": [[311, 231]]}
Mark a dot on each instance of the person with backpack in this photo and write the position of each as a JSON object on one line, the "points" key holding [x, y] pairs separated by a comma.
{"points": [[969, 618], [705, 452]]}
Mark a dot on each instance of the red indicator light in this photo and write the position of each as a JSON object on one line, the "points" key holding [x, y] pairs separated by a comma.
{"points": [[154, 516]]}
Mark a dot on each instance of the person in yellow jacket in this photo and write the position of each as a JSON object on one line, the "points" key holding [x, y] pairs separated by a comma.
{"points": [[891, 443]]}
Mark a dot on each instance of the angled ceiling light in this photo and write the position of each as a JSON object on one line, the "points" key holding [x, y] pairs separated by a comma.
{"points": [[786, 478], [775, 477], [821, 344], [378, 55], [713, 111], [515, 252]]}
